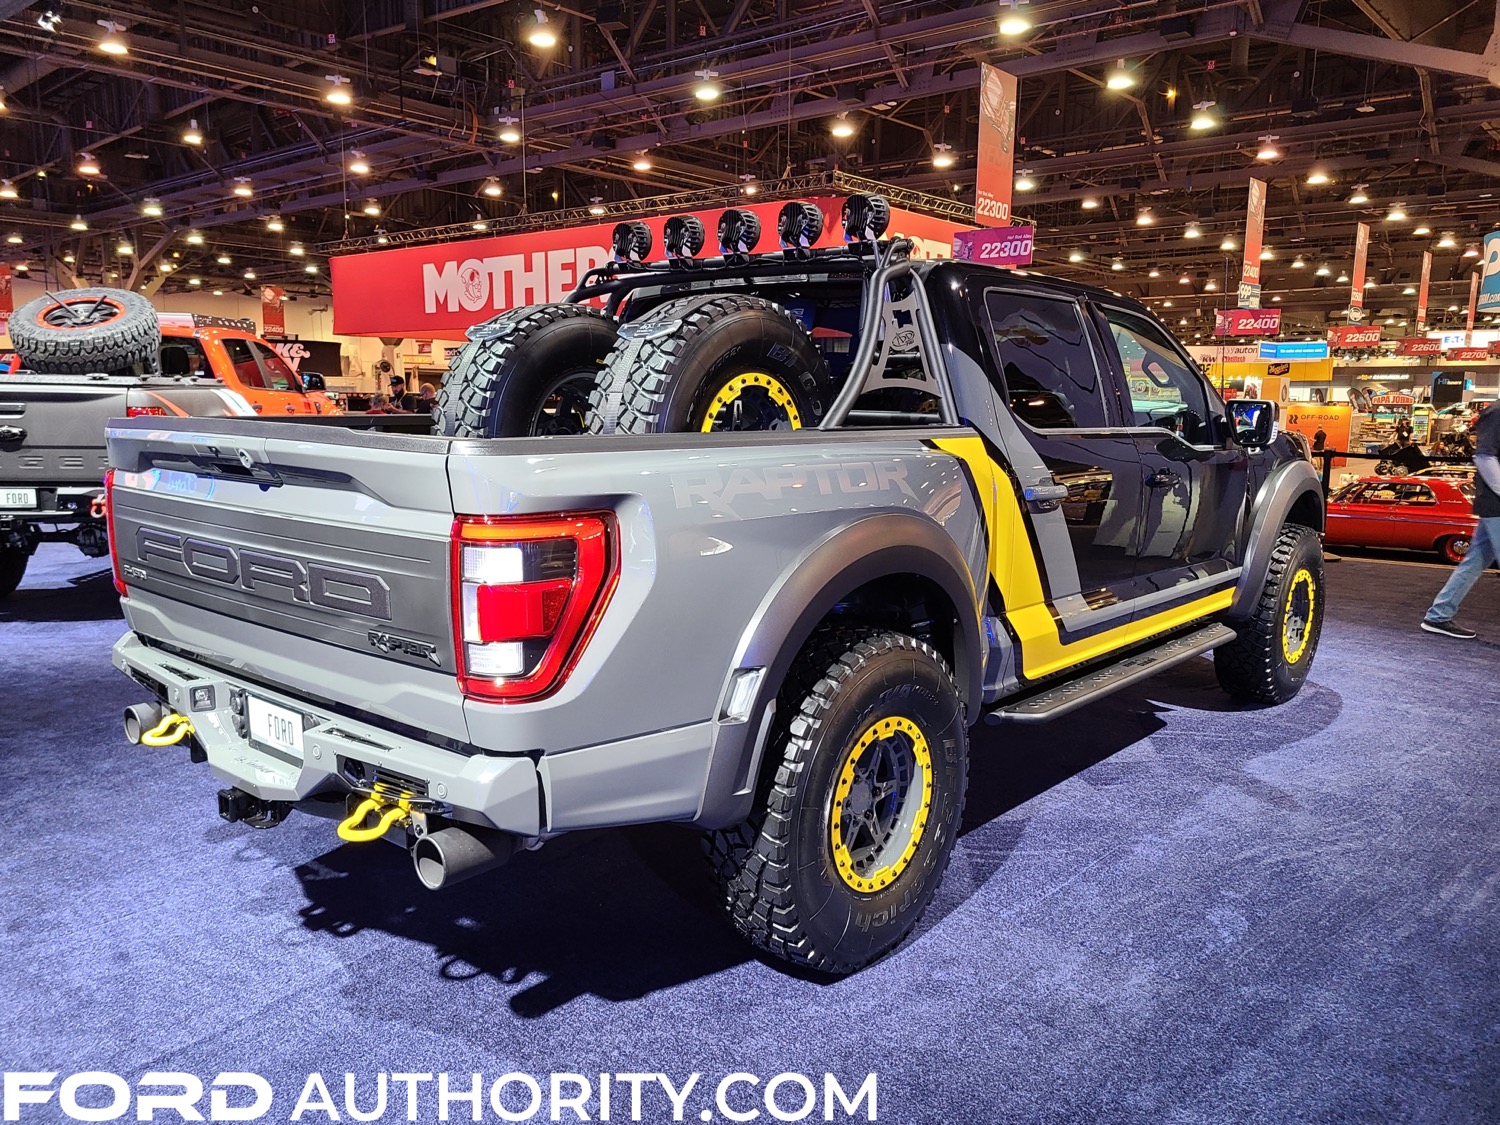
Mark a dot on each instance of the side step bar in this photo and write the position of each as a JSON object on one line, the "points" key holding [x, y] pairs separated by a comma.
{"points": [[1064, 697]]}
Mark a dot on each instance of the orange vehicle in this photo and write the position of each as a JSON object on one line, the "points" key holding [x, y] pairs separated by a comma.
{"points": [[230, 351]]}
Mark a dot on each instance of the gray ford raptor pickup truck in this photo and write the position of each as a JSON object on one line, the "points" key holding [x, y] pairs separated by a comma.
{"points": [[819, 512]]}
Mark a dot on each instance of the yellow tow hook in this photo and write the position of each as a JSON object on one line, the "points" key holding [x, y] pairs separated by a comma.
{"points": [[354, 829], [171, 730]]}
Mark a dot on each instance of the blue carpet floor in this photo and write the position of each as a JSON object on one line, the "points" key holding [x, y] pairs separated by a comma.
{"points": [[1166, 909]]}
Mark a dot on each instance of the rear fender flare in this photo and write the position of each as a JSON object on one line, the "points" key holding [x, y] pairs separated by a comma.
{"points": [[1294, 485], [807, 592]]}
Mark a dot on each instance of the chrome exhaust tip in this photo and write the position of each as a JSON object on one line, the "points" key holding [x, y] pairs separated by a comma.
{"points": [[453, 854], [141, 717]]}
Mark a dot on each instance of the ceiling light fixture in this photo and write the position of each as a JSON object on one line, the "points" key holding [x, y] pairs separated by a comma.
{"points": [[706, 89], [14, 238], [195, 281], [242, 187], [1016, 21], [1267, 254], [296, 250], [1089, 203], [1317, 178], [479, 224], [249, 275], [510, 130], [1120, 78], [381, 238], [87, 165], [1153, 272], [842, 127], [1075, 256], [641, 163], [309, 268], [942, 156], [192, 135], [1025, 181], [491, 187], [49, 18], [358, 165], [1202, 120], [1298, 263], [340, 90], [151, 207], [1228, 246], [1472, 250], [1358, 196], [1343, 278], [1447, 242], [1184, 280], [1144, 218], [113, 42], [1117, 265], [1268, 149], [1192, 230], [1210, 285], [1410, 290], [1322, 271], [8, 190], [372, 207], [540, 33], [1421, 230], [596, 205], [125, 249], [1396, 214], [275, 224]]}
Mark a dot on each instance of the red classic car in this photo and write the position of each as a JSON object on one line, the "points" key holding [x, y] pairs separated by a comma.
{"points": [[1427, 513]]}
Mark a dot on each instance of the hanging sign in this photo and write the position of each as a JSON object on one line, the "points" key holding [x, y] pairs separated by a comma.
{"points": [[995, 246], [1294, 350], [1467, 355], [996, 162], [1489, 287], [1422, 291], [1354, 335], [7, 298], [1473, 304], [1357, 288], [1255, 225], [1247, 322], [272, 311], [1419, 345]]}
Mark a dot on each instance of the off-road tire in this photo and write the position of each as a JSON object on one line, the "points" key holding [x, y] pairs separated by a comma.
{"points": [[499, 383], [13, 562], [1267, 663], [1453, 548], [776, 871], [664, 382], [125, 331]]}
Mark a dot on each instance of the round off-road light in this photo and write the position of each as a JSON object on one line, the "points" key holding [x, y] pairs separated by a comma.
{"points": [[799, 224], [739, 231], [631, 242], [683, 236], [866, 217]]}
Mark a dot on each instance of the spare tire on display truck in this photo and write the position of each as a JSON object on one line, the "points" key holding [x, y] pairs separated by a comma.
{"points": [[712, 363], [85, 331], [528, 371]]}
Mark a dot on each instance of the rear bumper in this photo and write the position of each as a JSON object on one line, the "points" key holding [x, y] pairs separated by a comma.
{"points": [[66, 503], [491, 791]]}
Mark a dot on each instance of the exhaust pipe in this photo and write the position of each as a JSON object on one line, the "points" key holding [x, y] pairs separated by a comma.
{"points": [[141, 717], [452, 855]]}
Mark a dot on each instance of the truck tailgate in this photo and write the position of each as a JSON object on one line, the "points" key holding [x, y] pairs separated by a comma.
{"points": [[53, 432], [319, 566]]}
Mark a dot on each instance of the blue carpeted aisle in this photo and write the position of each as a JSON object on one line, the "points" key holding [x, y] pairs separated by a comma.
{"points": [[1167, 909]]}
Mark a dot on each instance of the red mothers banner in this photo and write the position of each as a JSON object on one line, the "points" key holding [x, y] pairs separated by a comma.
{"points": [[1473, 306], [1422, 292], [442, 289], [1419, 345], [1247, 322], [996, 163], [1467, 355], [996, 246], [272, 310], [1354, 336], [1357, 286]]}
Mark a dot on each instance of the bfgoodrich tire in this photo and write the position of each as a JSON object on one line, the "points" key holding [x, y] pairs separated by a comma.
{"points": [[1269, 660], [712, 363], [859, 807], [13, 562], [82, 331], [530, 371]]}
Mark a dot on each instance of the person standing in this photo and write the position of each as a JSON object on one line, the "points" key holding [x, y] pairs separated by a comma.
{"points": [[1484, 548]]}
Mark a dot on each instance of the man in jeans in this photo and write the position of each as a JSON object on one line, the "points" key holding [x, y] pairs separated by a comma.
{"points": [[1485, 547]]}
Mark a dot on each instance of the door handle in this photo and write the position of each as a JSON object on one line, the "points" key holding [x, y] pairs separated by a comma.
{"points": [[1045, 492], [1162, 478]]}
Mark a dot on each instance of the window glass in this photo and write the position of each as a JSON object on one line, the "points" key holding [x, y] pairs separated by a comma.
{"points": [[242, 359], [1410, 492], [1046, 362], [1165, 390], [1467, 488], [183, 355], [278, 373], [1349, 494]]}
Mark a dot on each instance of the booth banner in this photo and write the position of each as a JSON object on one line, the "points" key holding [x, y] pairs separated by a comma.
{"points": [[1489, 288], [1467, 355], [321, 356], [1357, 286], [1473, 305], [7, 298], [1205, 354], [1295, 351], [996, 161], [442, 289], [1247, 322], [1354, 335], [996, 246], [1495, 347], [1333, 419], [1255, 225], [1419, 345], [272, 310], [1422, 291]]}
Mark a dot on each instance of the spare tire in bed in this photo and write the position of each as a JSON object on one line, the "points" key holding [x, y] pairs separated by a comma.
{"points": [[83, 331], [525, 372], [712, 363]]}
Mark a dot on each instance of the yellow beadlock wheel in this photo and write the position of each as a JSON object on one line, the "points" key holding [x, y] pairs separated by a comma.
{"points": [[881, 802], [751, 381], [1297, 615]]}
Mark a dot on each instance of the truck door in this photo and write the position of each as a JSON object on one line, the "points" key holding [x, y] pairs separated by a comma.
{"points": [[1046, 370], [1194, 479]]}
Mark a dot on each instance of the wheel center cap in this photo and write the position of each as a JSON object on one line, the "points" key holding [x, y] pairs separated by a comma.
{"points": [[860, 798]]}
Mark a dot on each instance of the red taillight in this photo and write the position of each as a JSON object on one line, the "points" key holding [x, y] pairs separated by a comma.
{"points": [[109, 527], [138, 411], [527, 593]]}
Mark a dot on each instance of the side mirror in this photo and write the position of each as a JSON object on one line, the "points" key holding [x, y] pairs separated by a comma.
{"points": [[312, 381], [1252, 422]]}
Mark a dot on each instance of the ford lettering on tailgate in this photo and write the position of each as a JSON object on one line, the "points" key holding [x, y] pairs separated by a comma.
{"points": [[262, 572]]}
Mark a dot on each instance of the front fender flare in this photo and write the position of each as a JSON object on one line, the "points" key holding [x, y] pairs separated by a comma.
{"points": [[1278, 496]]}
